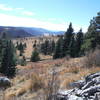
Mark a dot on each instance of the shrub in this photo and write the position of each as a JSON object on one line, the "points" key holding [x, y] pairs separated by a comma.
{"points": [[92, 58], [23, 61], [35, 56], [36, 82]]}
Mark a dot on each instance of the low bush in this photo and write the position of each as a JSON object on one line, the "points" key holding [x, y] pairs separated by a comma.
{"points": [[92, 58]]}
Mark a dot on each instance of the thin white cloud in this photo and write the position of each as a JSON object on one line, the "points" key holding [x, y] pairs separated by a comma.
{"points": [[21, 11], [28, 13], [19, 8], [8, 20], [5, 8]]}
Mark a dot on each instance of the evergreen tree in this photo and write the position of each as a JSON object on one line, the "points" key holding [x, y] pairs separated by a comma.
{"points": [[21, 49], [45, 47], [79, 42], [3, 43], [8, 62], [0, 51], [42, 46], [52, 46], [58, 49], [67, 39], [92, 37], [71, 50], [35, 56], [23, 61]]}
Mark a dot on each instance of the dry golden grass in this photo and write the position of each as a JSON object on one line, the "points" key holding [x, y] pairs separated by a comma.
{"points": [[34, 77], [36, 82], [21, 85], [29, 43], [77, 76]]}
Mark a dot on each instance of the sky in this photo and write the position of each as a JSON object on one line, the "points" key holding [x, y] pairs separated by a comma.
{"points": [[49, 14]]}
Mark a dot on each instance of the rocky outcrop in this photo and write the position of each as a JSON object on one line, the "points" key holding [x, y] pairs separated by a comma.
{"points": [[86, 89]]}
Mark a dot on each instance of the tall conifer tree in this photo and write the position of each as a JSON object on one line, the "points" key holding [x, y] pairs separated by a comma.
{"points": [[8, 63], [67, 39], [58, 49], [79, 42]]}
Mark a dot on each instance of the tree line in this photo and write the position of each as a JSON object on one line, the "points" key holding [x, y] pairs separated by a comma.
{"points": [[74, 44], [69, 44]]}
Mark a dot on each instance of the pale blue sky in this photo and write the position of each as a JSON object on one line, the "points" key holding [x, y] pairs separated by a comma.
{"points": [[50, 14]]}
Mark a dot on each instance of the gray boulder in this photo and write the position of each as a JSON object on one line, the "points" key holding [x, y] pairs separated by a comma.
{"points": [[4, 83], [86, 89]]}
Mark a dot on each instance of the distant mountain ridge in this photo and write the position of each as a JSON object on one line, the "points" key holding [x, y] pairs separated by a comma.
{"points": [[15, 32]]}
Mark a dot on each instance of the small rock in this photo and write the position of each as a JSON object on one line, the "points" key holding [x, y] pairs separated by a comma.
{"points": [[4, 82]]}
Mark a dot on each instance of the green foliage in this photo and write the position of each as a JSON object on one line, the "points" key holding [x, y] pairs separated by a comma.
{"points": [[65, 46], [35, 56], [87, 45], [0, 51], [79, 43], [69, 44], [67, 40], [58, 49], [52, 46], [75, 45], [92, 37], [47, 48], [8, 61], [21, 48], [72, 50], [23, 61]]}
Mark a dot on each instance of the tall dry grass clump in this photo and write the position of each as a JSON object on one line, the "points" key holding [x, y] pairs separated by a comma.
{"points": [[24, 84], [36, 82], [92, 58]]}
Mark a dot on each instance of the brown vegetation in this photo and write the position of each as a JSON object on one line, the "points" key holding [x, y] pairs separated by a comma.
{"points": [[42, 80], [92, 58], [36, 79]]}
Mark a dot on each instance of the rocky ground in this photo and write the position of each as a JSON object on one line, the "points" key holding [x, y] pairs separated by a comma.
{"points": [[86, 89]]}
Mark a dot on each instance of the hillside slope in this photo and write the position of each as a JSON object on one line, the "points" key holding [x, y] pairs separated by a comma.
{"points": [[32, 81], [16, 32]]}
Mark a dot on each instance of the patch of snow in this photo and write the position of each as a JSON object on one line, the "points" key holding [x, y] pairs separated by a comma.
{"points": [[73, 97]]}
